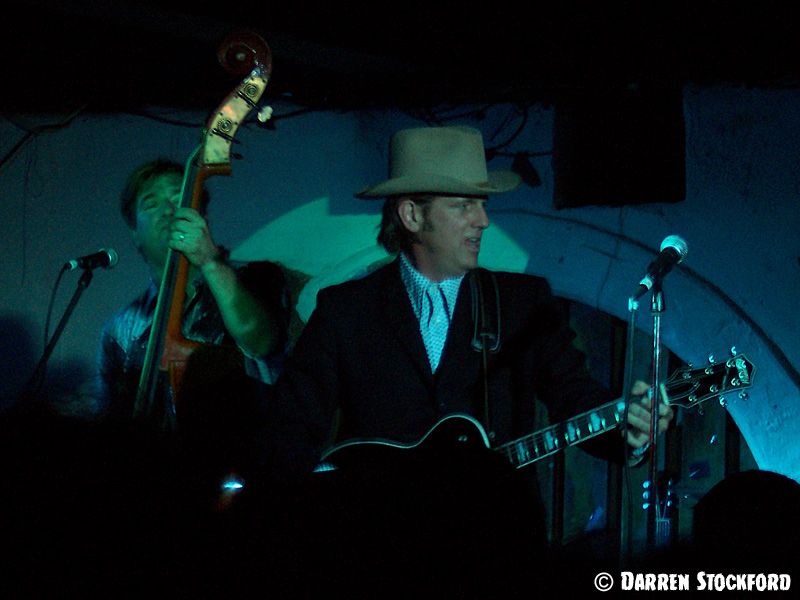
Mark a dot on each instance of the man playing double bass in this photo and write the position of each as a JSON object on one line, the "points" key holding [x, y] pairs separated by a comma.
{"points": [[225, 308]]}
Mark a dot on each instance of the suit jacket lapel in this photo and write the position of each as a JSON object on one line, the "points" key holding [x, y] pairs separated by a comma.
{"points": [[458, 359], [403, 322]]}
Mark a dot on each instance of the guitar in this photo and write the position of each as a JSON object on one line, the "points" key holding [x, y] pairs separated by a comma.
{"points": [[686, 387]]}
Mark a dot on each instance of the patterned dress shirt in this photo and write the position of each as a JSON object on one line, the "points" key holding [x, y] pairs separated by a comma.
{"points": [[433, 304]]}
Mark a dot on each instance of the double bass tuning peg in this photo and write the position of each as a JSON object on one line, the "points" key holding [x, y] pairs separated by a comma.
{"points": [[265, 114]]}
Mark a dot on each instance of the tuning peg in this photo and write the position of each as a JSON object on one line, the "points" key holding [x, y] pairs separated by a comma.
{"points": [[265, 114], [734, 351], [711, 359], [744, 395], [723, 402]]}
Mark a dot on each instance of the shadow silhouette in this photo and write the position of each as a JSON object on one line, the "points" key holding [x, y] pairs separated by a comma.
{"points": [[68, 384], [17, 360]]}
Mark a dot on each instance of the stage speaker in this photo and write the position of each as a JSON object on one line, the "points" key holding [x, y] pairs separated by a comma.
{"points": [[619, 146]]}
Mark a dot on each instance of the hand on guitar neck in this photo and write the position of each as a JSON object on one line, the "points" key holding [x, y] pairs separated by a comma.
{"points": [[640, 416]]}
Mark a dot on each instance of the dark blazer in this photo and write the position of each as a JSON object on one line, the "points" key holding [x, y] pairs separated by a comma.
{"points": [[360, 368], [461, 523]]}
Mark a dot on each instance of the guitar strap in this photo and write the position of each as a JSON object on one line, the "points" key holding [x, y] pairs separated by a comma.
{"points": [[485, 329]]}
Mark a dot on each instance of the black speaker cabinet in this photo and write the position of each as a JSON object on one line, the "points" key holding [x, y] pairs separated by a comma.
{"points": [[620, 146]]}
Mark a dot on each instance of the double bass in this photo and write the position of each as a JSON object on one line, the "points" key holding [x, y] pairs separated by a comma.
{"points": [[245, 55]]}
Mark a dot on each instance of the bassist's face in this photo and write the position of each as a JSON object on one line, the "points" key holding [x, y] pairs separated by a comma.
{"points": [[155, 206]]}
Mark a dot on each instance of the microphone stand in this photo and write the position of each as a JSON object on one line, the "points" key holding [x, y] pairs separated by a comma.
{"points": [[626, 520], [651, 503], [34, 384], [657, 310]]}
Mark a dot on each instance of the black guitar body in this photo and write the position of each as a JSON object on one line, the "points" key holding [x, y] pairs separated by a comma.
{"points": [[444, 514], [454, 443]]}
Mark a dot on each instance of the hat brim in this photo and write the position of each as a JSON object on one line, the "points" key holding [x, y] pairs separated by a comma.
{"points": [[499, 182]]}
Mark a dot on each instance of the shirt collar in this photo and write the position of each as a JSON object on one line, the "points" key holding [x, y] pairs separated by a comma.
{"points": [[417, 284]]}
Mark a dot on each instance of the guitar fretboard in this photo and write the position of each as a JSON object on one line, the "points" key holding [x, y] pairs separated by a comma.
{"points": [[545, 442]]}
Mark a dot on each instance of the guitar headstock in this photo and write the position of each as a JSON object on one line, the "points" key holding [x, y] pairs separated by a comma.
{"points": [[690, 386]]}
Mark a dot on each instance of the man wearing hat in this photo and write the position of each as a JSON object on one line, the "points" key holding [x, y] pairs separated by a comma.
{"points": [[389, 356]]}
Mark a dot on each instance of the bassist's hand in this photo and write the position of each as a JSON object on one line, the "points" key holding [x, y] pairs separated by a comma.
{"points": [[190, 235]]}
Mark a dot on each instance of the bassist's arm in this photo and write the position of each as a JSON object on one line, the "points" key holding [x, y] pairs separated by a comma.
{"points": [[255, 326]]}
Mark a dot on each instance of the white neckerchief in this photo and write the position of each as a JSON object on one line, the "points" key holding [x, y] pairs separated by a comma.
{"points": [[433, 304]]}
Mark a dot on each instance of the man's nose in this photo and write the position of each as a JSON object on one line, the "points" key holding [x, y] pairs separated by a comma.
{"points": [[172, 204], [481, 217]]}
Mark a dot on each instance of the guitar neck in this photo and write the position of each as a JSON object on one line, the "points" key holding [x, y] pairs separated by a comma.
{"points": [[542, 443], [686, 387]]}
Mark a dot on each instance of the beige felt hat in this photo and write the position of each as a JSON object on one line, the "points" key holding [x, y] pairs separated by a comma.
{"points": [[444, 160]]}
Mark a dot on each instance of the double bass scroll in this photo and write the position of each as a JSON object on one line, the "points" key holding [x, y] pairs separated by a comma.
{"points": [[241, 53]]}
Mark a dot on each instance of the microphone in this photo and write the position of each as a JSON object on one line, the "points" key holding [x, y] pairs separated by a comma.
{"points": [[673, 251], [105, 258]]}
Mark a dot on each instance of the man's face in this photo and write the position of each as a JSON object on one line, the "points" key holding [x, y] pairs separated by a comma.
{"points": [[449, 236], [155, 205]]}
